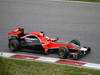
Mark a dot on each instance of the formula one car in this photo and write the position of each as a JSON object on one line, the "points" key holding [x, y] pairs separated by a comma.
{"points": [[39, 41]]}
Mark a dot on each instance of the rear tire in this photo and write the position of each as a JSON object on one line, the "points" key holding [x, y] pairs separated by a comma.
{"points": [[14, 44], [63, 52]]}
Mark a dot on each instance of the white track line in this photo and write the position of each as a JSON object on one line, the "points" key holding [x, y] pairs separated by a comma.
{"points": [[92, 65], [47, 59], [2, 54]]}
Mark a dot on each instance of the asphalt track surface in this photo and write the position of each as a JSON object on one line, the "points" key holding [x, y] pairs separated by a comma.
{"points": [[56, 18]]}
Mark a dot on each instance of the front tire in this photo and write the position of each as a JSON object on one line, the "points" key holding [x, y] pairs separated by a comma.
{"points": [[63, 52], [88, 49], [14, 44], [76, 57]]}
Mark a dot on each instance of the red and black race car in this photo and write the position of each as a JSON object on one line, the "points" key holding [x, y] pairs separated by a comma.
{"points": [[39, 41]]}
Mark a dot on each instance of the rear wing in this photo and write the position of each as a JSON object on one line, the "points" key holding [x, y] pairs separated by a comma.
{"points": [[16, 32]]}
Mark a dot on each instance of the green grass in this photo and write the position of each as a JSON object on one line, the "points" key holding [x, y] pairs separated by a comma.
{"points": [[22, 67], [88, 0]]}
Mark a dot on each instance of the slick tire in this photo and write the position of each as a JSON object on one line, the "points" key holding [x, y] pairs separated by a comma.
{"points": [[88, 49], [14, 44], [76, 57], [63, 52]]}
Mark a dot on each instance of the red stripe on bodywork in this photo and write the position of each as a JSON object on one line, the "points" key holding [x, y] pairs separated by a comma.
{"points": [[71, 62]]}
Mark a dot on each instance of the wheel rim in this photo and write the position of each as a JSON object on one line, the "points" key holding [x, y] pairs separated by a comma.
{"points": [[12, 46], [61, 53], [76, 57]]}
